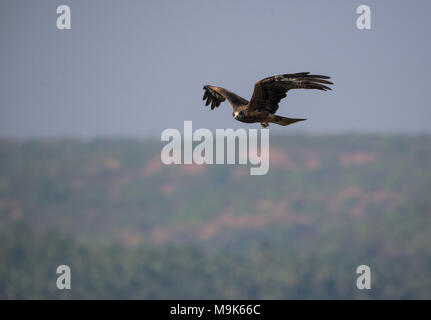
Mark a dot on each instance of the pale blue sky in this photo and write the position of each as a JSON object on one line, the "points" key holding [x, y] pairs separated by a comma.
{"points": [[137, 67]]}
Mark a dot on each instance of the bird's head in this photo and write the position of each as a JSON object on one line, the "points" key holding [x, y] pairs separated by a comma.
{"points": [[238, 115]]}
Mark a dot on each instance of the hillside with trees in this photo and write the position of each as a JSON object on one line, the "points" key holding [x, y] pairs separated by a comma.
{"points": [[131, 227]]}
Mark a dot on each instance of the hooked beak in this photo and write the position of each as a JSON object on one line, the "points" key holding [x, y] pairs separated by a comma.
{"points": [[238, 115]]}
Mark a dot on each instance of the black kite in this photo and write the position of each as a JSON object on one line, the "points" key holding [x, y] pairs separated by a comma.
{"points": [[266, 96]]}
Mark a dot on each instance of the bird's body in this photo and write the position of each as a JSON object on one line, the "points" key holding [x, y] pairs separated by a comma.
{"points": [[266, 96]]}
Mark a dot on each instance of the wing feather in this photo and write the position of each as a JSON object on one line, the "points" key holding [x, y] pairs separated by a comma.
{"points": [[269, 91], [216, 95]]}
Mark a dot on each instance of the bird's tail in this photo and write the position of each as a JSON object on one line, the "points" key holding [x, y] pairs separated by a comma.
{"points": [[282, 121]]}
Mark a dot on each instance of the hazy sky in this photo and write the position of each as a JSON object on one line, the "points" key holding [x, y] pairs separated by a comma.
{"points": [[138, 67]]}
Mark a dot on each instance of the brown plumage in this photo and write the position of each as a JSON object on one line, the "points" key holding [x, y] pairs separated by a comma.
{"points": [[266, 96]]}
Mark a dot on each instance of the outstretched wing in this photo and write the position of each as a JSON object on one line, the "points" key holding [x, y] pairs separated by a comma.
{"points": [[216, 95], [269, 91]]}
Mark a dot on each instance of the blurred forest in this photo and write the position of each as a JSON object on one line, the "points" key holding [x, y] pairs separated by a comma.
{"points": [[130, 227]]}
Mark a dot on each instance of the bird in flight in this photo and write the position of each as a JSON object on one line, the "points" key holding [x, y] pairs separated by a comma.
{"points": [[266, 96]]}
